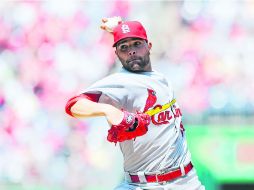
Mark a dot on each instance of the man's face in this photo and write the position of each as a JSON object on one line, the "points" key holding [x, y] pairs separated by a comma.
{"points": [[134, 54]]}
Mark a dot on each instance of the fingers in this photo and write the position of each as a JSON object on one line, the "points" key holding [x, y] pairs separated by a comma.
{"points": [[104, 20], [103, 27], [108, 24]]}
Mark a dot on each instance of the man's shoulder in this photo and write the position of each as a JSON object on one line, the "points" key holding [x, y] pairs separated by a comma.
{"points": [[112, 79], [115, 76], [123, 76], [120, 74]]}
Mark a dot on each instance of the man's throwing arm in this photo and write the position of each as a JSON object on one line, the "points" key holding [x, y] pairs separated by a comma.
{"points": [[86, 105], [125, 125]]}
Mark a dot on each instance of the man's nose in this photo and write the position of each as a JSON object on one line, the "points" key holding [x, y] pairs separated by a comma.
{"points": [[132, 52]]}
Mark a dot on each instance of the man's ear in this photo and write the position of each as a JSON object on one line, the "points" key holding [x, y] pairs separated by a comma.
{"points": [[150, 45]]}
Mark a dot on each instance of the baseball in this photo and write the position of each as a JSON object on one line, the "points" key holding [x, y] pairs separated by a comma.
{"points": [[110, 23]]}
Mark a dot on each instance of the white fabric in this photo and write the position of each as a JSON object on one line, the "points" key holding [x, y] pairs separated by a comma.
{"points": [[141, 176], [164, 145], [182, 169]]}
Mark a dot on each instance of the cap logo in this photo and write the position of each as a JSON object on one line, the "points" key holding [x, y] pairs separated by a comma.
{"points": [[125, 28]]}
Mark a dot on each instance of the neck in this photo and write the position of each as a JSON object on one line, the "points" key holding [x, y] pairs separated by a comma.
{"points": [[147, 69]]}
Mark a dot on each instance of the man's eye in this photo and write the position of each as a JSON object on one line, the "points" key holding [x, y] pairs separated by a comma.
{"points": [[137, 43], [123, 47]]}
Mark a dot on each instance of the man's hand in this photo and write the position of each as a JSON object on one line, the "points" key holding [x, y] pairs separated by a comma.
{"points": [[108, 24]]}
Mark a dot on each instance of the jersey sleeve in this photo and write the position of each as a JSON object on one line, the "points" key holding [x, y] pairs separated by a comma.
{"points": [[111, 91]]}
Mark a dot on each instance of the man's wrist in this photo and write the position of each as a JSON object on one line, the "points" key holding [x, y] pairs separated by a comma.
{"points": [[113, 115]]}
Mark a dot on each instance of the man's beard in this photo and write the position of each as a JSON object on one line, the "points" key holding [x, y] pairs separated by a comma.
{"points": [[137, 64]]}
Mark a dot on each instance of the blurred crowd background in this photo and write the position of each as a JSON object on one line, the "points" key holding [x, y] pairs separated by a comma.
{"points": [[52, 50]]}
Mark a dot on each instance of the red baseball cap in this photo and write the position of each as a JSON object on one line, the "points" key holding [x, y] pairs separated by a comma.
{"points": [[129, 29]]}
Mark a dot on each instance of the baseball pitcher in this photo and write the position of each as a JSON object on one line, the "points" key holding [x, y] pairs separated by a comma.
{"points": [[143, 114]]}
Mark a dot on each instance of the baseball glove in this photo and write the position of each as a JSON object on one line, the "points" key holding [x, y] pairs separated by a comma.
{"points": [[132, 126]]}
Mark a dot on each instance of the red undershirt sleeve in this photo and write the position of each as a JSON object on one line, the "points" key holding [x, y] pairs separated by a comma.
{"points": [[90, 96]]}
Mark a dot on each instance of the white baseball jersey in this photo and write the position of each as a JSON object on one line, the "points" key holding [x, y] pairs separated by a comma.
{"points": [[164, 145]]}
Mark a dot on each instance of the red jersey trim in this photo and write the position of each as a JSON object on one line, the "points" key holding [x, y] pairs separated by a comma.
{"points": [[73, 100]]}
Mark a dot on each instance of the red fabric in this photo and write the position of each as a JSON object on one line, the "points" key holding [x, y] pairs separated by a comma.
{"points": [[129, 29], [171, 175], [122, 131], [73, 100]]}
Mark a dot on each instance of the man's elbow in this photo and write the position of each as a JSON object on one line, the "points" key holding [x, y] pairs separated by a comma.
{"points": [[70, 103], [70, 108]]}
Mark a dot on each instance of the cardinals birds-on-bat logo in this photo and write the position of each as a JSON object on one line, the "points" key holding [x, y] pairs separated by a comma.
{"points": [[163, 117]]}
